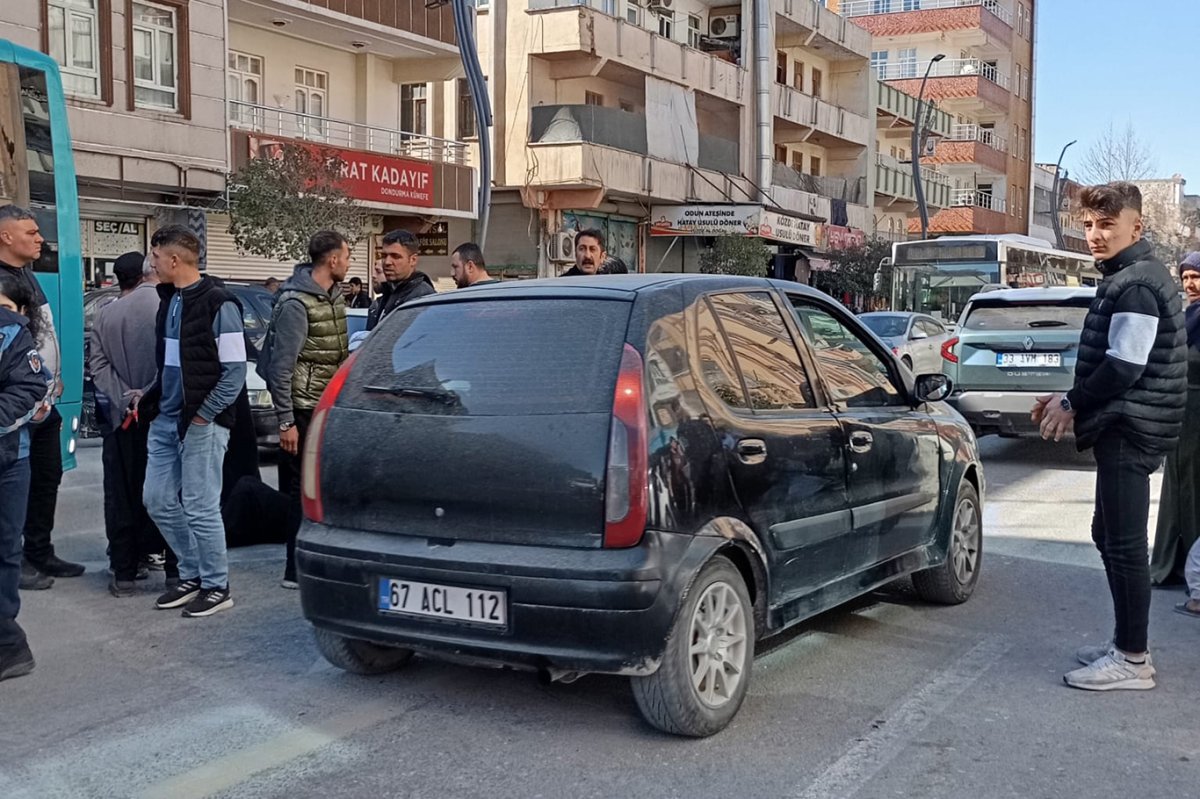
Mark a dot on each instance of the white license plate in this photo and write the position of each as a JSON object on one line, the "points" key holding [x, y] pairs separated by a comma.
{"points": [[449, 602], [1028, 359]]}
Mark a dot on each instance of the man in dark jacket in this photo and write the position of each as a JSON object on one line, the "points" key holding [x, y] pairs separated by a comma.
{"points": [[468, 268], [308, 342], [590, 254], [1127, 405], [201, 373], [23, 387], [404, 281]]}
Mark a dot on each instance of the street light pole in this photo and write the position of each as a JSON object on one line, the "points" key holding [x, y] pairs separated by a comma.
{"points": [[1056, 200], [918, 124]]}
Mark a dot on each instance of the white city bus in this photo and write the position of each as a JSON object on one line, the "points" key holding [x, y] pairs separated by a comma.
{"points": [[938, 276]]}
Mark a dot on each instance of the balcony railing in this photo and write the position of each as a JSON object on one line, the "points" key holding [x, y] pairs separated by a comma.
{"points": [[929, 173], [978, 199], [867, 8], [948, 68], [851, 190], [340, 133], [976, 133]]}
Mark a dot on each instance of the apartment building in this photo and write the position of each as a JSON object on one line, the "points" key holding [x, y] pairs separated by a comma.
{"points": [[662, 123], [984, 80], [146, 104], [1065, 206]]}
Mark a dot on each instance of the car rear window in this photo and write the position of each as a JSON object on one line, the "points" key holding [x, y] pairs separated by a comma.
{"points": [[517, 357], [886, 326], [1027, 316]]}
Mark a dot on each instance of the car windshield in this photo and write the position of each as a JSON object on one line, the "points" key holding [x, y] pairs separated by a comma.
{"points": [[886, 326], [1026, 316]]}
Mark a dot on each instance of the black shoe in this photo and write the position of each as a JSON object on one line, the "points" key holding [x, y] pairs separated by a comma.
{"points": [[171, 582], [210, 601], [155, 562], [17, 663], [32, 579], [122, 588], [57, 567], [182, 593]]}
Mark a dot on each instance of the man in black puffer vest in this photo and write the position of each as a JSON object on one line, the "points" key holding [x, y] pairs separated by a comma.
{"points": [[1127, 406]]}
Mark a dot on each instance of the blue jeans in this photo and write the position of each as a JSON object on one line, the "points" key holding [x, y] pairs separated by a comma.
{"points": [[14, 488], [183, 496]]}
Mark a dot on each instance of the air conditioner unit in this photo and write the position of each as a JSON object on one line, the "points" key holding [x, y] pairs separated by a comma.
{"points": [[561, 247], [659, 6], [724, 27]]}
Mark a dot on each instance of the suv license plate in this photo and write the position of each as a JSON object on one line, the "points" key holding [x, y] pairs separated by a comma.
{"points": [[448, 602], [1028, 359]]}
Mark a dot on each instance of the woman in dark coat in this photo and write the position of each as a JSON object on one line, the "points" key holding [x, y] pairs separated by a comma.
{"points": [[1179, 507]]}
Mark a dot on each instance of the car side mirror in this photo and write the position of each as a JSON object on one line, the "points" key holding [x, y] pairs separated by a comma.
{"points": [[932, 388], [917, 334]]}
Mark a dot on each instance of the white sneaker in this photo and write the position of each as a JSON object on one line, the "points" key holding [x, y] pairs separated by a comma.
{"points": [[1087, 655], [1113, 673]]}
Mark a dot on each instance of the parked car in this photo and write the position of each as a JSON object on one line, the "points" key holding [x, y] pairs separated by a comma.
{"points": [[1012, 346], [915, 339], [636, 475], [256, 314]]}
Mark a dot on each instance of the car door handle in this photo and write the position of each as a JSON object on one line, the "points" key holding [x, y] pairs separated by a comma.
{"points": [[861, 441], [752, 451]]}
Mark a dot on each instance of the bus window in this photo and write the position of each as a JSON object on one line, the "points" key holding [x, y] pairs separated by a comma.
{"points": [[27, 163]]}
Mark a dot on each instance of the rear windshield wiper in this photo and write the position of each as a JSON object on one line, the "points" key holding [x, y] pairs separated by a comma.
{"points": [[425, 392], [1048, 323]]}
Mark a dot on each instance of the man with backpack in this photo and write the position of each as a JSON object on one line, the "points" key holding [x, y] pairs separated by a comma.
{"points": [[306, 343]]}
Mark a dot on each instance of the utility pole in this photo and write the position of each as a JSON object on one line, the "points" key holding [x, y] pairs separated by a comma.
{"points": [[918, 123]]}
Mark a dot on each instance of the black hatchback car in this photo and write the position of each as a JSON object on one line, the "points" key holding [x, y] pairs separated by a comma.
{"points": [[638, 475]]}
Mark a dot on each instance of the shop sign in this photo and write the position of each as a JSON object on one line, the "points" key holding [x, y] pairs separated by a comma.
{"points": [[704, 220], [435, 241], [112, 237], [844, 238], [789, 229]]}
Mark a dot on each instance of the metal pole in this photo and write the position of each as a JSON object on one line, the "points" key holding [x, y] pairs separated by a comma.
{"points": [[1056, 201], [464, 21], [918, 124]]}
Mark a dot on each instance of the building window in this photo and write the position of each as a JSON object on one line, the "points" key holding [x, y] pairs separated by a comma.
{"points": [[693, 31], [814, 167], [467, 128], [879, 59], [908, 62], [816, 82], [781, 60], [592, 98], [73, 40], [311, 101], [633, 13], [1022, 20], [666, 24], [798, 162], [244, 79], [912, 5], [780, 154], [155, 48], [798, 76], [1025, 88], [414, 108], [609, 7], [627, 106]]}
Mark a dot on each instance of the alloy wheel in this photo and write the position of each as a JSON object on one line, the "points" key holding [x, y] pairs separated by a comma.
{"points": [[718, 647]]}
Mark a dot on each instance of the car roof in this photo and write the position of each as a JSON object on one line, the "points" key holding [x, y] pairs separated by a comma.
{"points": [[1054, 294], [612, 287]]}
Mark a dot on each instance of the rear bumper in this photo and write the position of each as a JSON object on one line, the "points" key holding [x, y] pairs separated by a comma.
{"points": [[586, 610], [1004, 412]]}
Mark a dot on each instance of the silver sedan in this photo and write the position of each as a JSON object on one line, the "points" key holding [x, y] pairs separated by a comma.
{"points": [[916, 339]]}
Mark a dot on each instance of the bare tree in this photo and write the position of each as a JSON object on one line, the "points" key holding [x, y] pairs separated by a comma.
{"points": [[1117, 155]]}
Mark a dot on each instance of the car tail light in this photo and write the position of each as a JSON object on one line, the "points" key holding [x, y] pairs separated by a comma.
{"points": [[948, 352], [310, 458], [625, 494]]}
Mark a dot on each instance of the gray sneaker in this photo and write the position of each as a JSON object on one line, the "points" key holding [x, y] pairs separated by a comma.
{"points": [[1113, 673], [1087, 655]]}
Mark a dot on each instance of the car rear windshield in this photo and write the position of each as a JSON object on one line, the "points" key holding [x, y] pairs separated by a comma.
{"points": [[1027, 316], [517, 357], [886, 326]]}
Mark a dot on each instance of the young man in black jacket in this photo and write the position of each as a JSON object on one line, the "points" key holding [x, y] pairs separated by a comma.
{"points": [[404, 281], [1127, 405]]}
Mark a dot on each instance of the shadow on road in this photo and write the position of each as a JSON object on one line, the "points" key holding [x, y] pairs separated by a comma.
{"points": [[1036, 453]]}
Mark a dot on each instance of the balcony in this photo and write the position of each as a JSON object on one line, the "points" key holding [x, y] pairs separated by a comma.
{"points": [[830, 125], [393, 29], [971, 84], [971, 144], [977, 23], [809, 23], [849, 190], [971, 212], [580, 41], [893, 180], [340, 133], [898, 109]]}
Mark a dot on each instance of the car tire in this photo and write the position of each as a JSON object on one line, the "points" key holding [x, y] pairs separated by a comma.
{"points": [[717, 612], [953, 582], [360, 657]]}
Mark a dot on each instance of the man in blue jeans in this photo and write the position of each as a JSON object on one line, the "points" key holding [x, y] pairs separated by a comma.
{"points": [[201, 371], [23, 388]]}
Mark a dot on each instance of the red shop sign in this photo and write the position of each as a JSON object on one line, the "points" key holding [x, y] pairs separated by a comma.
{"points": [[842, 238]]}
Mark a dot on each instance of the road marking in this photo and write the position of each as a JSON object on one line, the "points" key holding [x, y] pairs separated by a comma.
{"points": [[853, 770], [226, 772]]}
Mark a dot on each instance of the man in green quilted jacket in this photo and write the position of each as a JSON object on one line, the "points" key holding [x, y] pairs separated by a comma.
{"points": [[308, 342]]}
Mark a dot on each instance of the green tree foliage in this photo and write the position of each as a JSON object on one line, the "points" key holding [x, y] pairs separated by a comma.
{"points": [[736, 255], [853, 272], [278, 201]]}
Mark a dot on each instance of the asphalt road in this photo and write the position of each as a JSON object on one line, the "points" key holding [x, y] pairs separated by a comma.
{"points": [[885, 698]]}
